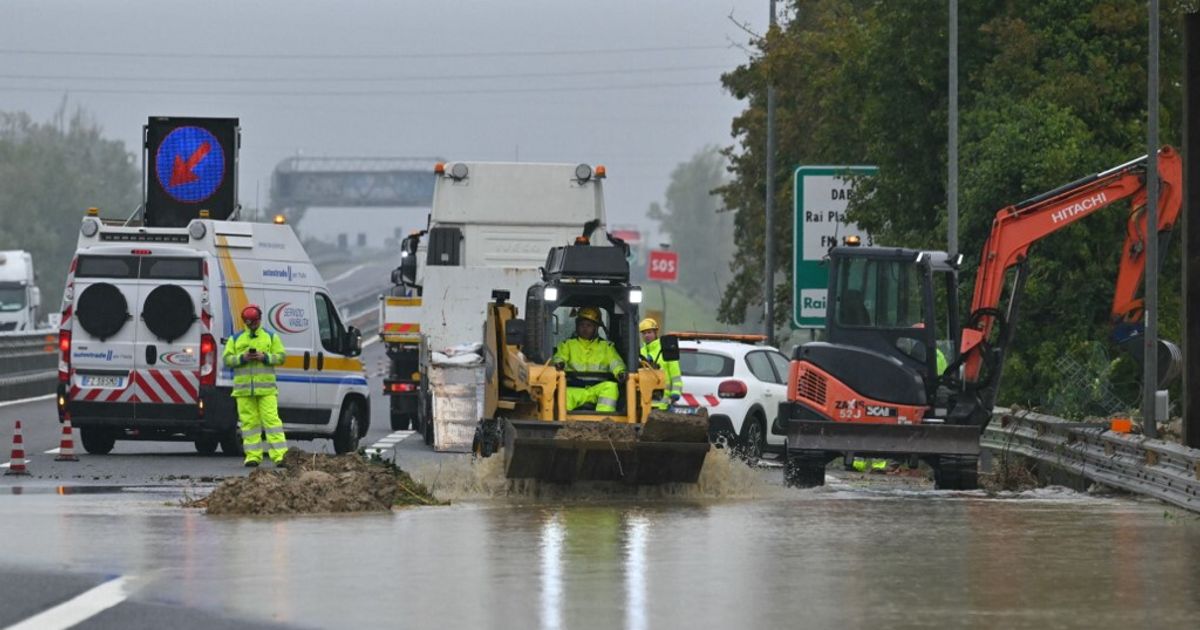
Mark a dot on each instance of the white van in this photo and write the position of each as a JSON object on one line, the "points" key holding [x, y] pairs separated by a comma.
{"points": [[146, 314], [20, 299]]}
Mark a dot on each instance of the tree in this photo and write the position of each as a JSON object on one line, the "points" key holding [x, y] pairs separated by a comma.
{"points": [[50, 173], [699, 228], [1050, 90]]}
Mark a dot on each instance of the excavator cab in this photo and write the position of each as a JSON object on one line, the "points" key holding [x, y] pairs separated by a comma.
{"points": [[530, 415]]}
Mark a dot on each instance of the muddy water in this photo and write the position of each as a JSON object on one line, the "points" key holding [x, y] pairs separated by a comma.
{"points": [[737, 552]]}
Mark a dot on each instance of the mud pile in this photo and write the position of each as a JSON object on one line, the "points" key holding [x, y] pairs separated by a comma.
{"points": [[615, 432], [311, 483]]}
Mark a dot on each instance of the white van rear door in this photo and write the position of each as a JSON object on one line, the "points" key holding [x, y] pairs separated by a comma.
{"points": [[103, 335], [169, 325]]}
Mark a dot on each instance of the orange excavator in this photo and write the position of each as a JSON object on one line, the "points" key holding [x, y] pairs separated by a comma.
{"points": [[900, 375]]}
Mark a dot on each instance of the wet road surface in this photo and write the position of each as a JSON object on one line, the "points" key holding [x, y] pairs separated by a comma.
{"points": [[741, 551]]}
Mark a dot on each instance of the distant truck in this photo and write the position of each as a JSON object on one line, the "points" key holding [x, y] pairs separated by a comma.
{"points": [[490, 227], [20, 299]]}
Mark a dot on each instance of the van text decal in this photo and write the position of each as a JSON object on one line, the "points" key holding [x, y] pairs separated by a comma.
{"points": [[181, 359], [284, 273], [287, 318]]}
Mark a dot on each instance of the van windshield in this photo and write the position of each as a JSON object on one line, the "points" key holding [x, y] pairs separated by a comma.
{"points": [[12, 298]]}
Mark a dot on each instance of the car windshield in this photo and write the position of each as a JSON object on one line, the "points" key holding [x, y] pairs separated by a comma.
{"points": [[12, 298], [704, 364]]}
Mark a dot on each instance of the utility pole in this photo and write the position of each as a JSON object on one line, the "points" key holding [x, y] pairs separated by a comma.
{"points": [[769, 209], [1150, 337], [952, 148]]}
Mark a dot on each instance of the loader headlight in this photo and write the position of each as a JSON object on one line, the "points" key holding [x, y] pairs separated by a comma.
{"points": [[550, 294], [583, 172], [635, 296], [89, 228]]}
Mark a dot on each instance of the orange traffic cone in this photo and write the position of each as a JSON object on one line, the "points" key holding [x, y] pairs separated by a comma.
{"points": [[66, 446], [17, 467]]}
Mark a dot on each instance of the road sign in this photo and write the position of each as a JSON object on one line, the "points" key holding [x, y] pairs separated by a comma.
{"points": [[822, 194], [663, 266], [192, 164]]}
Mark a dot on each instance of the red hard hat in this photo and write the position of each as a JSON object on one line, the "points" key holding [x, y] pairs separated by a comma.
{"points": [[251, 313]]}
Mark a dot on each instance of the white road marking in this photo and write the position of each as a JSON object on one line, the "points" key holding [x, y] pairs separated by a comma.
{"points": [[9, 463], [53, 451], [82, 607], [345, 274], [9, 403], [388, 443]]}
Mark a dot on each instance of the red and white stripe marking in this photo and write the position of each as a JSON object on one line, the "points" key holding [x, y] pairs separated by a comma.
{"points": [[147, 386], [701, 401]]}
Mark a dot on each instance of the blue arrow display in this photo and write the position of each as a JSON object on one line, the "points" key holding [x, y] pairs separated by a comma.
{"points": [[190, 164]]}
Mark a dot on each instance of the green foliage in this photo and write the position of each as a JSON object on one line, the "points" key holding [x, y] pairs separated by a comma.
{"points": [[50, 173], [1049, 91], [698, 227]]}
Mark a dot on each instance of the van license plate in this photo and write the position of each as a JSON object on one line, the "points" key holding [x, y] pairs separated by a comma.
{"points": [[102, 381], [684, 410]]}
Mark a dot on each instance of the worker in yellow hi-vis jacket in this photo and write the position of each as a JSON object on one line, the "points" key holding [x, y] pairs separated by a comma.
{"points": [[253, 355]]}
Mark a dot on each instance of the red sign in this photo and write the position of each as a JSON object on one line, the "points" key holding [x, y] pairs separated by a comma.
{"points": [[664, 266]]}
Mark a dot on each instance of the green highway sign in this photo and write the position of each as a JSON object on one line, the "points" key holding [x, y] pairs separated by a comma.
{"points": [[821, 196]]}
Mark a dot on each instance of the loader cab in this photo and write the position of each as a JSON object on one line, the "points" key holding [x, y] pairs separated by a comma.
{"points": [[897, 302]]}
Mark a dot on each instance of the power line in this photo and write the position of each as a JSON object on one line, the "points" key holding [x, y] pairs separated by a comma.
{"points": [[345, 93], [357, 79], [359, 56]]}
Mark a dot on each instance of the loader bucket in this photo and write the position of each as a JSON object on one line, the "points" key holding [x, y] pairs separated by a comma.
{"points": [[883, 439], [666, 449]]}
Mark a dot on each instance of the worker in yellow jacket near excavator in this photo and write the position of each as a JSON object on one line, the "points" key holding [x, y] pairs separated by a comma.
{"points": [[586, 352], [652, 354]]}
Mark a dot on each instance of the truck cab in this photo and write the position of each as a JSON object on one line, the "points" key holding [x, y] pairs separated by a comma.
{"points": [[20, 299]]}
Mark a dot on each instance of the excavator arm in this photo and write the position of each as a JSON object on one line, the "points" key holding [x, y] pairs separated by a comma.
{"points": [[1017, 227]]}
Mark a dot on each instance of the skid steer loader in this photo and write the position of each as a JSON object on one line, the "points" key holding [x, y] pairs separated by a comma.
{"points": [[526, 416]]}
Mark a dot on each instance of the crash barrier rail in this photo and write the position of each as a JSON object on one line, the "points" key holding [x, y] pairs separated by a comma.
{"points": [[28, 363], [362, 312], [1164, 470]]}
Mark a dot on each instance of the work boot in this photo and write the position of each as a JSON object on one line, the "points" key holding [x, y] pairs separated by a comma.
{"points": [[250, 463]]}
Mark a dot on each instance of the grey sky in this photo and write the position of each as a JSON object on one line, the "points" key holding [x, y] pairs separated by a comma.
{"points": [[539, 111]]}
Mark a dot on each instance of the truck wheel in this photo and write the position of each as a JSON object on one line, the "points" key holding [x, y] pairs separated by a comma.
{"points": [[401, 422], [803, 471], [97, 440], [345, 437], [206, 443]]}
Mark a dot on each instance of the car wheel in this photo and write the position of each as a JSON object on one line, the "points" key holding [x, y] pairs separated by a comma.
{"points": [[754, 438], [345, 437], [206, 443], [97, 440]]}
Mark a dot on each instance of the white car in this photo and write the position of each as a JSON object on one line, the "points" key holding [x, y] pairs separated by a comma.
{"points": [[740, 382]]}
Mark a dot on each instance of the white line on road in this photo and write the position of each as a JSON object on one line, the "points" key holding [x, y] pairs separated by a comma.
{"points": [[345, 274], [388, 443], [9, 463], [84, 606], [9, 403], [53, 451]]}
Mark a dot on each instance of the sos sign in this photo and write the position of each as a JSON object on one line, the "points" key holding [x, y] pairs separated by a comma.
{"points": [[192, 166], [663, 266]]}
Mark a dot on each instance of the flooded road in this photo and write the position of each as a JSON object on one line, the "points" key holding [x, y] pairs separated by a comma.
{"points": [[846, 555]]}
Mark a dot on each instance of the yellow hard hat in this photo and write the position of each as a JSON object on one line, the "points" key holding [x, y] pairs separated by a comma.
{"points": [[647, 324], [589, 312]]}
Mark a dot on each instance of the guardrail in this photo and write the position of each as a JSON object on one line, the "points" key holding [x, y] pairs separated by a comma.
{"points": [[1164, 470], [362, 312], [28, 364]]}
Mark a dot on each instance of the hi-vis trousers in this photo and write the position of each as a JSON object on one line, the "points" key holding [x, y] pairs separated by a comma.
{"points": [[259, 415]]}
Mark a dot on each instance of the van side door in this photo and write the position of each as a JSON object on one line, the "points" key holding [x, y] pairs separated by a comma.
{"points": [[333, 367], [289, 314]]}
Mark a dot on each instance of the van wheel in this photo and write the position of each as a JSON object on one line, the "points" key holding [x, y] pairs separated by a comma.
{"points": [[231, 442], [97, 440], [206, 443], [345, 437]]}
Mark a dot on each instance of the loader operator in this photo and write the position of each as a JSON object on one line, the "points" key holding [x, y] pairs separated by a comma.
{"points": [[652, 354], [586, 352], [253, 355]]}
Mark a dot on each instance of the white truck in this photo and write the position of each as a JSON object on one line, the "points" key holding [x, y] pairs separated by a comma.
{"points": [[491, 226], [20, 299]]}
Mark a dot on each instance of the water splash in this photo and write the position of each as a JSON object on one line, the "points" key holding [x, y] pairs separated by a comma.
{"points": [[722, 477]]}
